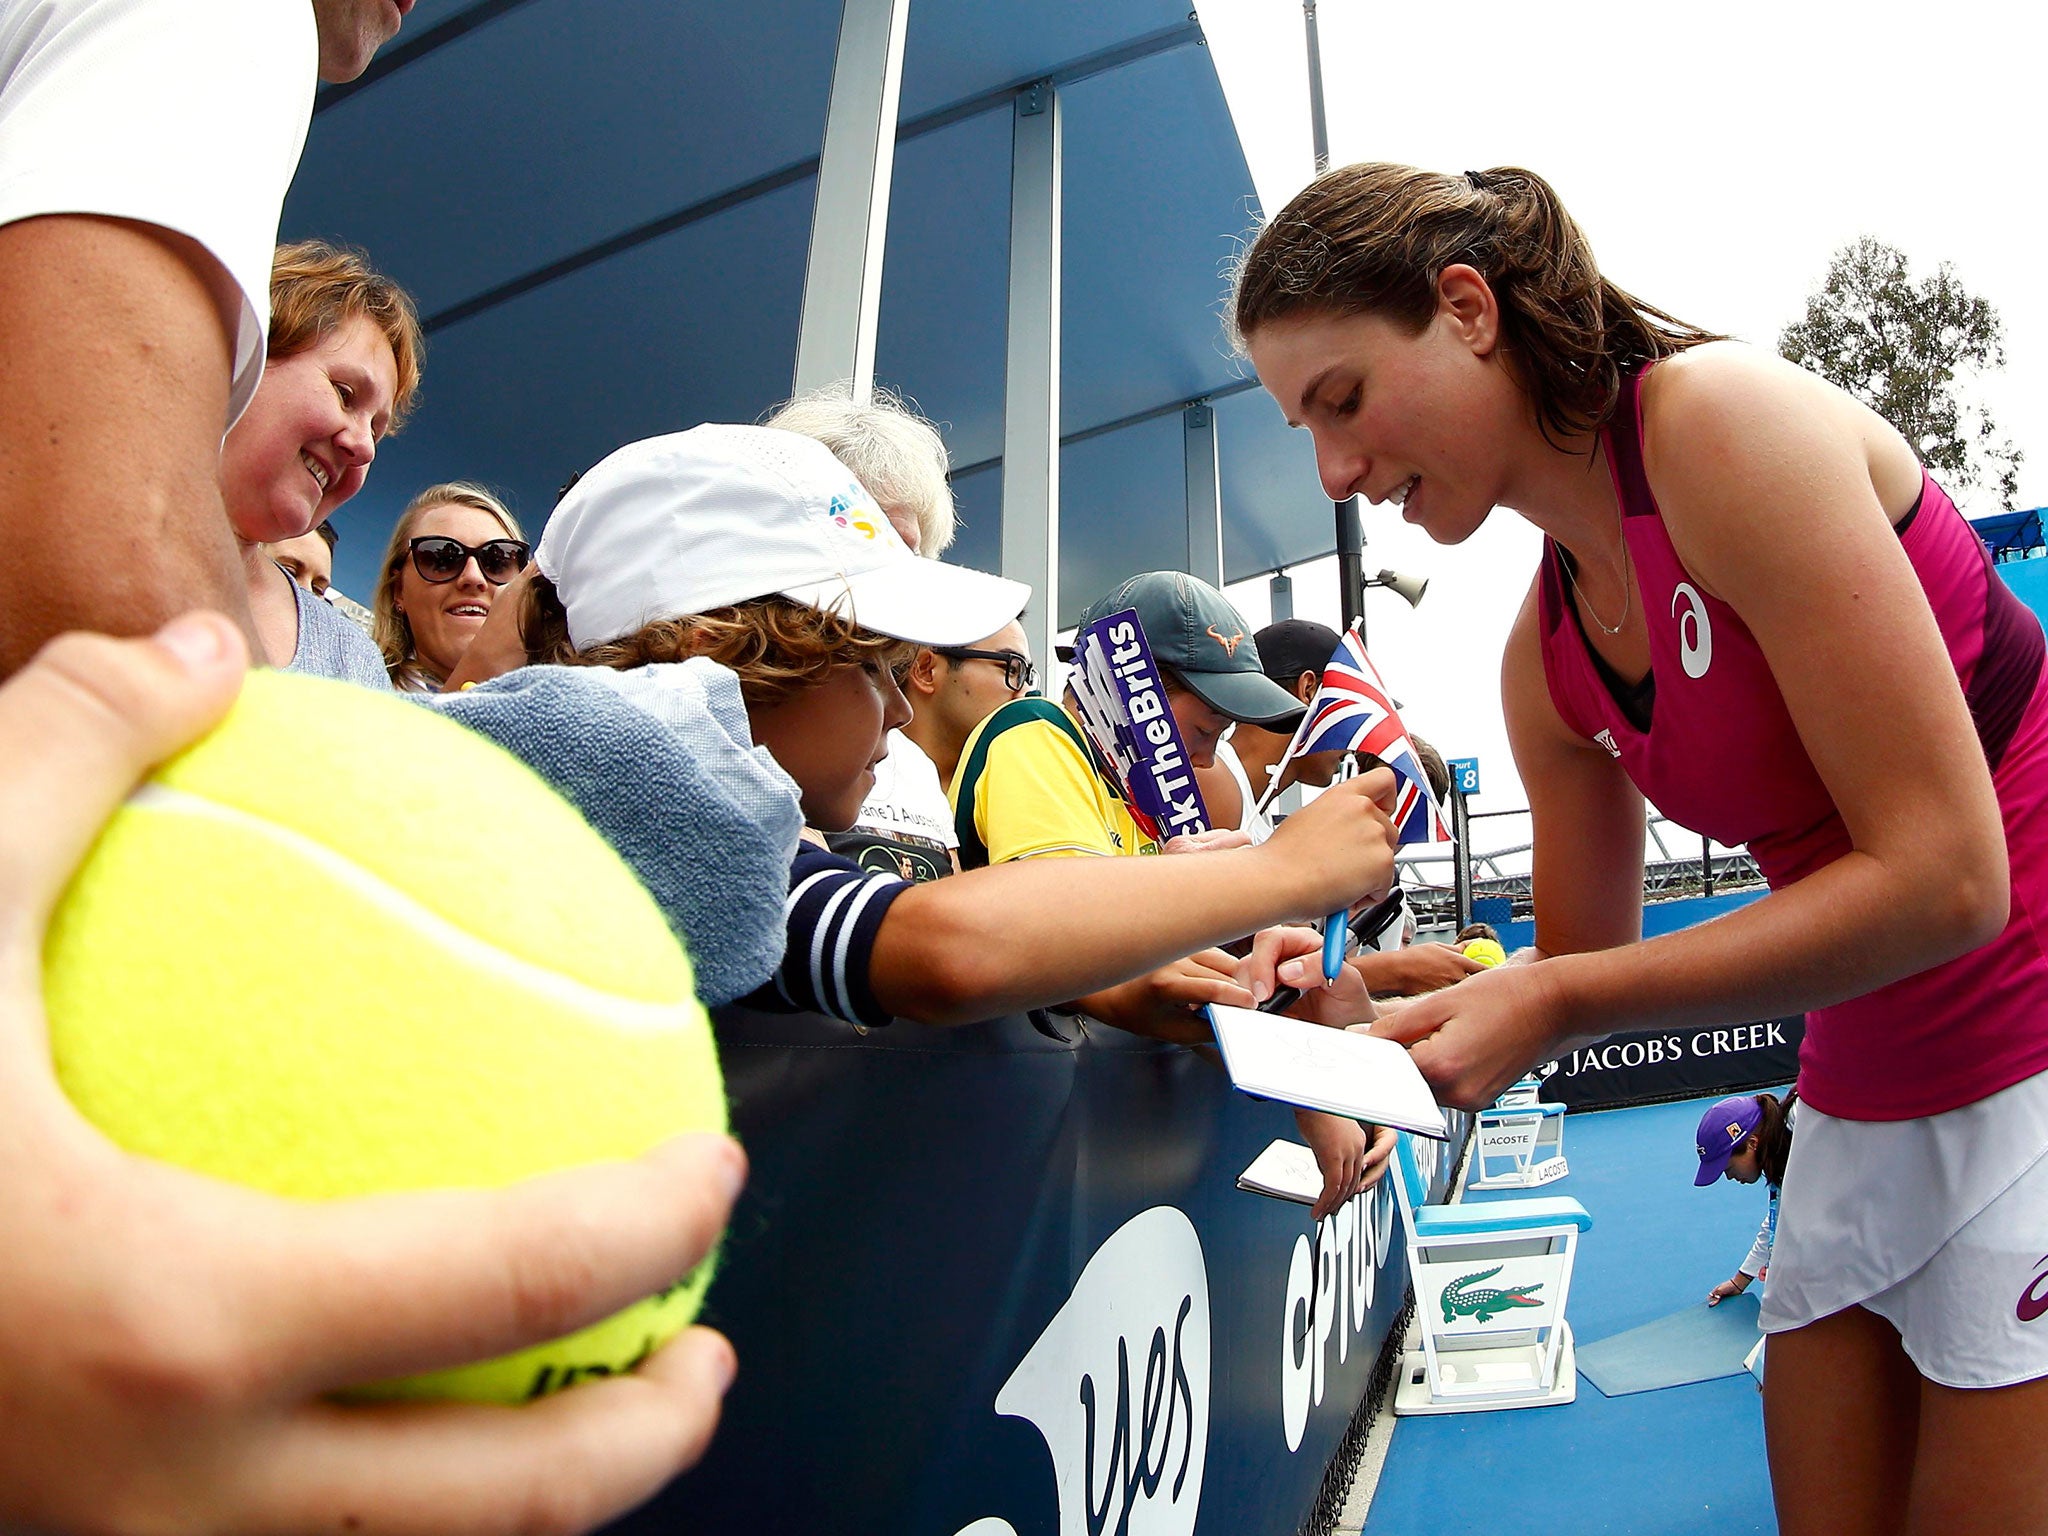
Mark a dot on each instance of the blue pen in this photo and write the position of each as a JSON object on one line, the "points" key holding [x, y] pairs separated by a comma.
{"points": [[1334, 932]]}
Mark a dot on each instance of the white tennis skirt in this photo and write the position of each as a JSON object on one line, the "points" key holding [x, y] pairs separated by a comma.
{"points": [[1938, 1225]]}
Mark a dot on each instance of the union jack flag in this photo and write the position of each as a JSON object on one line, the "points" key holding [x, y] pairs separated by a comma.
{"points": [[1352, 712]]}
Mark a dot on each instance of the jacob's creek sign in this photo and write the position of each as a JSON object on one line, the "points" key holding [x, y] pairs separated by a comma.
{"points": [[1638, 1067]]}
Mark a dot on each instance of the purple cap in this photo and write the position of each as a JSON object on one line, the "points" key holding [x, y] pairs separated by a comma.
{"points": [[1722, 1129]]}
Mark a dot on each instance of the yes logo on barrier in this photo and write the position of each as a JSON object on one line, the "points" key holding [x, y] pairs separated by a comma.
{"points": [[1118, 1384]]}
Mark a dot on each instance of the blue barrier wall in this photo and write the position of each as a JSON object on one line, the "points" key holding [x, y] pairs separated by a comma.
{"points": [[2029, 582], [1658, 916], [988, 1281]]}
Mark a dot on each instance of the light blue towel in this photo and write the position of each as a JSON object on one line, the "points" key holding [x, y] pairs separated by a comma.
{"points": [[660, 760]]}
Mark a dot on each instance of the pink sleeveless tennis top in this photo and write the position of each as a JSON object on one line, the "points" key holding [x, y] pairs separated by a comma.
{"points": [[1707, 740]]}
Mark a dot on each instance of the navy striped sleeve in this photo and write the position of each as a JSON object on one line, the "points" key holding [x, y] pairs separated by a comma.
{"points": [[835, 909]]}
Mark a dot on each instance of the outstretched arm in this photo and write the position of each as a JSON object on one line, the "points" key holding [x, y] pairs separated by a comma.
{"points": [[1035, 932]]}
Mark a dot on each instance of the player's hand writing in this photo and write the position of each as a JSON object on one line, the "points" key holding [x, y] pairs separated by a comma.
{"points": [[1473, 1040]]}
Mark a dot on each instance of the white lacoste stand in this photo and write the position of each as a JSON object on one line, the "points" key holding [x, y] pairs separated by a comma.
{"points": [[1491, 1280], [1519, 1142]]}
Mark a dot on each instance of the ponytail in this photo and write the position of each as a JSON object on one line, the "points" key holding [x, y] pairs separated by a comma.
{"points": [[1374, 239], [1774, 1135]]}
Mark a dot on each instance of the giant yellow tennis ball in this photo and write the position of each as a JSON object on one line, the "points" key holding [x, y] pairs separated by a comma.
{"points": [[344, 946]]}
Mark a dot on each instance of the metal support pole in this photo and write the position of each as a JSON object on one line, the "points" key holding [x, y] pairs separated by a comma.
{"points": [[850, 220], [1031, 398], [1350, 563], [1461, 832], [1350, 540], [1706, 865], [1318, 122], [1280, 591], [1205, 493]]}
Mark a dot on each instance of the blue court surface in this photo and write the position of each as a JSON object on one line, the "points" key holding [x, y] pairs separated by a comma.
{"points": [[1681, 1460]]}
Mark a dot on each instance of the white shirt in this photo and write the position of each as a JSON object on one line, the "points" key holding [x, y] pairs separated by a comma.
{"points": [[1253, 821], [185, 114], [908, 797]]}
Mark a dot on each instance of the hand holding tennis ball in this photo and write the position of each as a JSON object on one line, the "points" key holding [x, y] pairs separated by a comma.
{"points": [[168, 1342]]}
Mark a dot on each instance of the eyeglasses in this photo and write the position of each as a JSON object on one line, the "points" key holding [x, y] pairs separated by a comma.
{"points": [[1020, 672], [439, 558]]}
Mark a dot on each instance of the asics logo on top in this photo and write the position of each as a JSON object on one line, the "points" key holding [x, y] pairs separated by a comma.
{"points": [[2033, 1300], [1229, 645], [1695, 633], [1606, 739]]}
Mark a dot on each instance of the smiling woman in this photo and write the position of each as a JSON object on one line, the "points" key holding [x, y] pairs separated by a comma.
{"points": [[342, 369], [453, 549]]}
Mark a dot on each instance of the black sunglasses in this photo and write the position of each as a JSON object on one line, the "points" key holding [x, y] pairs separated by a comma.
{"points": [[439, 558], [1020, 672]]}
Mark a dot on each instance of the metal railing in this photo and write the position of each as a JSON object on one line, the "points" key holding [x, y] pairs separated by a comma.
{"points": [[1667, 877]]}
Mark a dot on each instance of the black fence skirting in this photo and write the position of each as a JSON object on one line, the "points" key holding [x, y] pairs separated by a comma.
{"points": [[986, 1281]]}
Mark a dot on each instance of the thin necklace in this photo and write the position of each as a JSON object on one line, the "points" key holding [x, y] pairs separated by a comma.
{"points": [[1627, 587]]}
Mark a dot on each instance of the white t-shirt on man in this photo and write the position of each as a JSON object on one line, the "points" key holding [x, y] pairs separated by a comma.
{"points": [[1251, 821], [185, 114], [905, 826]]}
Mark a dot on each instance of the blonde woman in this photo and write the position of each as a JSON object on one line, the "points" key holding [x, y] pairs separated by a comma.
{"points": [[454, 548]]}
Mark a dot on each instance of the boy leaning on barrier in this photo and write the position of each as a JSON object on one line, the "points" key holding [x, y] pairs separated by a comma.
{"points": [[1033, 789], [756, 549]]}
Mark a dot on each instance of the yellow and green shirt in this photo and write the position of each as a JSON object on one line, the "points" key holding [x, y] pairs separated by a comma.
{"points": [[1031, 785]]}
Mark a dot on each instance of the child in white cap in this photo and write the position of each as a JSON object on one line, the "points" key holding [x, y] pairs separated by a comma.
{"points": [[757, 549]]}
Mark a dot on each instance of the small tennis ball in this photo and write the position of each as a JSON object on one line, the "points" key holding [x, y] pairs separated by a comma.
{"points": [[344, 946], [1486, 952]]}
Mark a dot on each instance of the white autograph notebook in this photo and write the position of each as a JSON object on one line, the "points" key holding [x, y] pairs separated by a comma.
{"points": [[1271, 1056], [1286, 1170]]}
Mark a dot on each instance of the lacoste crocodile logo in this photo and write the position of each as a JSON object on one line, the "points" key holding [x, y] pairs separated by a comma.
{"points": [[2033, 1300], [1483, 1305], [1229, 645]]}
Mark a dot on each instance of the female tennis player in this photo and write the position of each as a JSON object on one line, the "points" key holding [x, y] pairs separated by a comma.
{"points": [[1757, 610]]}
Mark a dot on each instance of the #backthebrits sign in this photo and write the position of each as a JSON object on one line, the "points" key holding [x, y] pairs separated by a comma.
{"points": [[1123, 706]]}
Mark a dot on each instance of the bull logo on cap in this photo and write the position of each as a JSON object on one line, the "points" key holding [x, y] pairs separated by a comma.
{"points": [[1230, 644]]}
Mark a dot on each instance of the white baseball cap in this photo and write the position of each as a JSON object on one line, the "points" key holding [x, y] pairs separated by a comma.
{"points": [[719, 515]]}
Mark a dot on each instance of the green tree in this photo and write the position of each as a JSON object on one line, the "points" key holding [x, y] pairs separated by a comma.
{"points": [[1907, 349]]}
